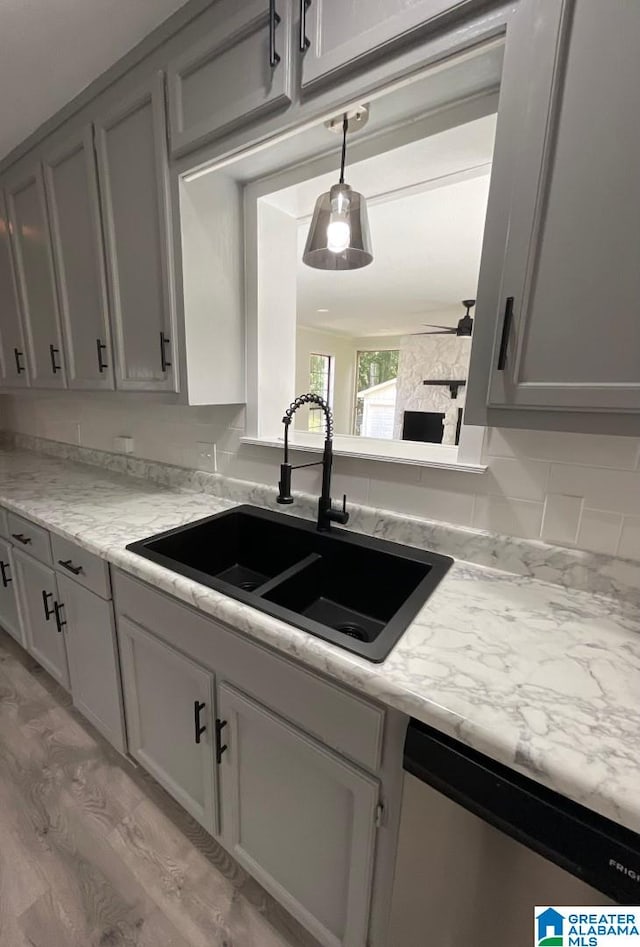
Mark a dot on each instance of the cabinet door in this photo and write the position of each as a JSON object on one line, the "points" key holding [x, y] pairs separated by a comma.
{"points": [[72, 196], [338, 33], [93, 658], [165, 695], [13, 358], [34, 266], [239, 70], [131, 145], [9, 616], [298, 818], [568, 333], [43, 631]]}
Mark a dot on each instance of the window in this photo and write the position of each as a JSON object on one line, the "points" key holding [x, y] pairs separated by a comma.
{"points": [[320, 383], [375, 401]]}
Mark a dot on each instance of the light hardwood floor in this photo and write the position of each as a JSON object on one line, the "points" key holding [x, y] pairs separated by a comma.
{"points": [[93, 853]]}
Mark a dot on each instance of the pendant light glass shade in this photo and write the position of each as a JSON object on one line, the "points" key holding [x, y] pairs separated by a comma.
{"points": [[339, 237]]}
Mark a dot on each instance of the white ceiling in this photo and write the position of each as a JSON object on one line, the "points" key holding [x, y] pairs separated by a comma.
{"points": [[426, 242], [51, 49]]}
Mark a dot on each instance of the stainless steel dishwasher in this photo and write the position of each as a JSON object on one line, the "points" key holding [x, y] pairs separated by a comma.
{"points": [[480, 846]]}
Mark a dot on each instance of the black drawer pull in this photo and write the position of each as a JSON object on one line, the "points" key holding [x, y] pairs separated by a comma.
{"points": [[220, 748], [506, 331], [3, 572], [53, 351], [69, 566], [305, 42], [199, 728], [19, 366], [274, 19], [102, 365], [48, 612], [164, 342], [60, 621], [25, 540]]}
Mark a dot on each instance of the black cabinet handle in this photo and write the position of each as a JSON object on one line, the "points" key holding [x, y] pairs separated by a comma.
{"points": [[3, 572], [48, 612], [69, 566], [164, 341], [274, 19], [19, 366], [25, 540], [305, 42], [60, 621], [101, 364], [506, 331], [199, 728], [53, 351], [220, 748]]}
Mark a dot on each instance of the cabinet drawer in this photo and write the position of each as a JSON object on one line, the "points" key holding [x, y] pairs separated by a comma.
{"points": [[78, 564], [349, 724], [33, 539], [4, 524]]}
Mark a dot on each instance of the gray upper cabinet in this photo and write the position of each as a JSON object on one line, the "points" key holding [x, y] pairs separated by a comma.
{"points": [[241, 69], [36, 280], [43, 628], [131, 146], [334, 34], [72, 196], [13, 360], [557, 316], [166, 697], [300, 818]]}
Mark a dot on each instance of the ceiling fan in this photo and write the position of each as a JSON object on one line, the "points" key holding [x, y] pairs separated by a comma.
{"points": [[464, 327]]}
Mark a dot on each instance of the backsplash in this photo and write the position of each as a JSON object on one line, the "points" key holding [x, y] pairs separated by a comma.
{"points": [[575, 490]]}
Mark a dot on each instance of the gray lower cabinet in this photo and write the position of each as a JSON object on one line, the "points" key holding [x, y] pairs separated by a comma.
{"points": [[93, 658], [36, 280], [239, 70], [169, 712], [334, 34], [42, 625], [14, 371], [131, 146], [557, 326], [299, 818], [9, 615], [71, 185]]}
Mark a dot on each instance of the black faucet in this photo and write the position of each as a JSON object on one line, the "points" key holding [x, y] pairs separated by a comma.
{"points": [[326, 512]]}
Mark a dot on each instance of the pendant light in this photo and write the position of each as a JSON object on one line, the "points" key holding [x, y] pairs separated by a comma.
{"points": [[339, 237]]}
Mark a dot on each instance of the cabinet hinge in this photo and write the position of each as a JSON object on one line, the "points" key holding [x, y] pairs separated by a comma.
{"points": [[379, 815]]}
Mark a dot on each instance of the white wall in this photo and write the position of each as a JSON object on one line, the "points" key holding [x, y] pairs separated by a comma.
{"points": [[571, 489]]}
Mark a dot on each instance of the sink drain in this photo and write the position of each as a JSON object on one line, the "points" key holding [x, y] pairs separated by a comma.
{"points": [[352, 631], [249, 586]]}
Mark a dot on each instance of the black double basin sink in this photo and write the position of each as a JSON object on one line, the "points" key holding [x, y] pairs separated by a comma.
{"points": [[355, 591]]}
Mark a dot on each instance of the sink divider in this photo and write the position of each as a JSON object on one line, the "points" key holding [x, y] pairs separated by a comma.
{"points": [[287, 574]]}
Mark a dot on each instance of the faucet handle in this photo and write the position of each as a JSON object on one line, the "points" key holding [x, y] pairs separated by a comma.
{"points": [[341, 516]]}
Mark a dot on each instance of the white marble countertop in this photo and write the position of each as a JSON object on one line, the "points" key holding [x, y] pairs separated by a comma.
{"points": [[542, 678]]}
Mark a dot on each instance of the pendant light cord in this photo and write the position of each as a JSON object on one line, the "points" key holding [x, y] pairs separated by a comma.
{"points": [[345, 127]]}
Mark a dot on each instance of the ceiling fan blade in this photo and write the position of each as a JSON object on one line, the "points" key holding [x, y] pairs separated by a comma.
{"points": [[435, 325], [442, 332]]}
